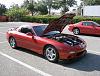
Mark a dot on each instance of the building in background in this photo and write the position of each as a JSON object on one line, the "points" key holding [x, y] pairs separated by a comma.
{"points": [[91, 11]]}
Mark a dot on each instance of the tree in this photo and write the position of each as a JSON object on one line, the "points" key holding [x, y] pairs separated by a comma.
{"points": [[56, 4], [48, 3], [41, 8], [2, 9], [97, 2], [79, 9], [25, 4], [35, 7], [44, 6], [32, 7], [91, 2], [15, 13], [65, 4]]}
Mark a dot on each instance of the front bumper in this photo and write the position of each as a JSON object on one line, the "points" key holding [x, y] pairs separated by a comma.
{"points": [[74, 55]]}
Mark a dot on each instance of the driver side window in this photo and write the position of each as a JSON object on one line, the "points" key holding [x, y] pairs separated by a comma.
{"points": [[87, 23], [25, 30]]}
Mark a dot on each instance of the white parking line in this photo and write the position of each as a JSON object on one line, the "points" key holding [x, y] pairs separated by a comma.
{"points": [[4, 27], [26, 65], [2, 33], [95, 52], [4, 42]]}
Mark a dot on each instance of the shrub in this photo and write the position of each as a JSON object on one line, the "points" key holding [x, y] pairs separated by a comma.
{"points": [[15, 13], [80, 18], [40, 19], [47, 18]]}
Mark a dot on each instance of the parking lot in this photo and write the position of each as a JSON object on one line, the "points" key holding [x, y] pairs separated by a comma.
{"points": [[23, 62]]}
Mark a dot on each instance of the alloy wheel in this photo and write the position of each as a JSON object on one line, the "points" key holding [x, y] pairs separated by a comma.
{"points": [[76, 31], [51, 54], [12, 42]]}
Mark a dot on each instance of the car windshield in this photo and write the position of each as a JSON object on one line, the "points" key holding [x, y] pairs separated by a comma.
{"points": [[96, 24], [39, 30]]}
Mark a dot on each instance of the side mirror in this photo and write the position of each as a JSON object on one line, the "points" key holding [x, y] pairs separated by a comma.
{"points": [[29, 34], [33, 37]]}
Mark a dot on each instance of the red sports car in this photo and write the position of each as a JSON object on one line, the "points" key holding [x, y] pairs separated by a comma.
{"points": [[85, 27], [47, 40]]}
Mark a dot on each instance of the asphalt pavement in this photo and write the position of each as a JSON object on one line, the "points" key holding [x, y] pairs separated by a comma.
{"points": [[23, 62]]}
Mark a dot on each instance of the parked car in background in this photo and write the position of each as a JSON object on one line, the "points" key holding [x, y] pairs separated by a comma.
{"points": [[85, 27], [47, 40]]}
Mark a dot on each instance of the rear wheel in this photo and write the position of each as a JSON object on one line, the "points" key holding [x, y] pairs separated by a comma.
{"points": [[76, 31], [51, 54], [12, 42]]}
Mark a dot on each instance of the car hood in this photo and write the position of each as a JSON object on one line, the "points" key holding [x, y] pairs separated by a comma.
{"points": [[60, 23]]}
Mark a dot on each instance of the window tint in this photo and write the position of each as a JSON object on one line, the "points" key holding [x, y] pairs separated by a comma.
{"points": [[25, 30], [87, 23]]}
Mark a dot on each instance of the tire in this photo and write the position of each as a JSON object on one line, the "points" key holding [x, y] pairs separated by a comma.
{"points": [[12, 42], [76, 31], [51, 54]]}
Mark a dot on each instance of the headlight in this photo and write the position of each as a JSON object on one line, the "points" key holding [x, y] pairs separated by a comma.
{"points": [[72, 52], [82, 45]]}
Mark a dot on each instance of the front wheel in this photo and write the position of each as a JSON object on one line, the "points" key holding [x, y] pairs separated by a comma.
{"points": [[76, 31], [51, 54], [12, 42]]}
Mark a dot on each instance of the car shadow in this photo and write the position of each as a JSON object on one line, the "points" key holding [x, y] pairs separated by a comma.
{"points": [[90, 62]]}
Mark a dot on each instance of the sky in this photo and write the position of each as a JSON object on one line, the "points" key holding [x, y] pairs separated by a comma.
{"points": [[8, 3]]}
